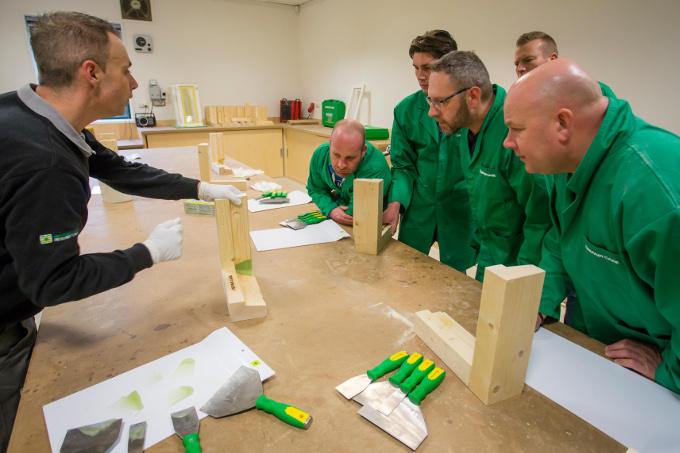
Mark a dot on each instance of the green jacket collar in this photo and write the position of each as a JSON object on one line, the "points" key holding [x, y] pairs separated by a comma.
{"points": [[618, 123], [429, 124], [496, 109]]}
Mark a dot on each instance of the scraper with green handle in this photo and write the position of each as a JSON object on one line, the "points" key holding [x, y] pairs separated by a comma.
{"points": [[353, 386], [186, 425], [378, 391], [388, 404], [243, 391], [406, 423]]}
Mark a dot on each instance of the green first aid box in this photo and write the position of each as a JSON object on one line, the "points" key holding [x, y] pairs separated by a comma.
{"points": [[332, 111]]}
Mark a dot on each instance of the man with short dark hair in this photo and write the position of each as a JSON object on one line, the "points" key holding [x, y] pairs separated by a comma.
{"points": [[428, 187], [615, 206], [46, 158], [533, 49], [335, 165], [509, 206]]}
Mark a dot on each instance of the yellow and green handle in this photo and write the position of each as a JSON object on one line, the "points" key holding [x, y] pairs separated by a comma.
{"points": [[406, 368], [389, 364], [429, 383], [287, 413]]}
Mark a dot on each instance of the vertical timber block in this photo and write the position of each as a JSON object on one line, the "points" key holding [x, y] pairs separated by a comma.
{"points": [[505, 331], [109, 194], [369, 234], [204, 161], [244, 298]]}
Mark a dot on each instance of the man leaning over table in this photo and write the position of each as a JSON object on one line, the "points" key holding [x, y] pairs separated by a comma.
{"points": [[46, 159]]}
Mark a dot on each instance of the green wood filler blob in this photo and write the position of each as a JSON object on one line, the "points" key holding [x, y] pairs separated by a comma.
{"points": [[154, 378], [130, 403], [179, 394], [244, 267], [185, 368]]}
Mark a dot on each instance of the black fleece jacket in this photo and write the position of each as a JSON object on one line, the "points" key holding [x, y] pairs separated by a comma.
{"points": [[44, 191]]}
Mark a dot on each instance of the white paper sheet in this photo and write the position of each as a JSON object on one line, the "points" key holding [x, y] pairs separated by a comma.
{"points": [[635, 411], [296, 197], [157, 383], [281, 238]]}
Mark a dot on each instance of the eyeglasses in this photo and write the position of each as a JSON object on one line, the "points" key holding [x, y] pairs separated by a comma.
{"points": [[439, 104]]}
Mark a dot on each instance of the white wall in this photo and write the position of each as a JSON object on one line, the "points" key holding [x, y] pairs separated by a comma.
{"points": [[236, 51], [631, 45], [247, 51]]}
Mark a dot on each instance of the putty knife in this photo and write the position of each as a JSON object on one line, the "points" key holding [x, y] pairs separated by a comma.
{"points": [[243, 391], [136, 438], [378, 391], [406, 423], [186, 425], [95, 438], [387, 405], [351, 387]]}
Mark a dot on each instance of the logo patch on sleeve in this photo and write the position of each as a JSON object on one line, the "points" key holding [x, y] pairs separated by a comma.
{"points": [[50, 238]]}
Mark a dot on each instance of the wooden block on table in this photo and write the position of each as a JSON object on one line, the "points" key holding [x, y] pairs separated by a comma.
{"points": [[244, 298], [240, 183], [107, 136], [505, 331], [109, 194], [264, 123], [370, 236], [261, 113], [204, 161], [216, 140], [448, 340]]}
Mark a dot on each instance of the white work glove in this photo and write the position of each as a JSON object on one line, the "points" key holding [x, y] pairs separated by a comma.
{"points": [[212, 192], [165, 241]]}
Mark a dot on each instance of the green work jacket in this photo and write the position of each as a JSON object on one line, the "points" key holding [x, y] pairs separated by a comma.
{"points": [[616, 238], [323, 191], [509, 205], [428, 182]]}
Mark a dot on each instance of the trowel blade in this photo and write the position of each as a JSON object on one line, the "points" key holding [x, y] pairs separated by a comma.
{"points": [[406, 423], [95, 438], [237, 394], [185, 422], [374, 394], [353, 386], [136, 438]]}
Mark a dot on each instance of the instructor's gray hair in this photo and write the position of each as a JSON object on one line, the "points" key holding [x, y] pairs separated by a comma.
{"points": [[62, 41], [466, 70]]}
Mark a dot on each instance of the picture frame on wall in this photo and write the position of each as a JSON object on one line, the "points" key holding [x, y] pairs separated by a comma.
{"points": [[135, 9]]}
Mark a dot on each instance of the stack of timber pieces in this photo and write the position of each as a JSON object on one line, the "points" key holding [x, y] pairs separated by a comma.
{"points": [[494, 363], [244, 299], [370, 235], [231, 115], [109, 194], [205, 162]]}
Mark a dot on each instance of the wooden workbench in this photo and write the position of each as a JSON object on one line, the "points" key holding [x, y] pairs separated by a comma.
{"points": [[333, 314]]}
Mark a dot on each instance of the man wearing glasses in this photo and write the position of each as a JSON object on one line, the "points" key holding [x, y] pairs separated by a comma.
{"points": [[509, 206], [428, 187]]}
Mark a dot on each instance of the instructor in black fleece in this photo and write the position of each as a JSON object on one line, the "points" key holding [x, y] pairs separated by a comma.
{"points": [[46, 158]]}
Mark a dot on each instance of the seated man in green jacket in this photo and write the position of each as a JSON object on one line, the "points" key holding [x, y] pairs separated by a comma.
{"points": [[336, 164], [614, 203], [509, 206]]}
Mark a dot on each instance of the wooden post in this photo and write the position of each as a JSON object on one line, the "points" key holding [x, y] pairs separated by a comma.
{"points": [[204, 161], [505, 329], [244, 299], [370, 236], [109, 194]]}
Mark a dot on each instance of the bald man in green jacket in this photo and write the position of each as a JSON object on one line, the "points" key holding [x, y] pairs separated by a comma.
{"points": [[615, 207], [335, 165]]}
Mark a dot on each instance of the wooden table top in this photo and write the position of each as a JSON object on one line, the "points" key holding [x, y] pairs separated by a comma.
{"points": [[332, 314]]}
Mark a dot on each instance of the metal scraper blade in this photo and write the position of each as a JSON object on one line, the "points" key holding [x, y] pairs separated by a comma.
{"points": [[374, 394], [237, 394], [95, 438], [185, 422], [405, 423], [136, 438], [353, 386]]}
